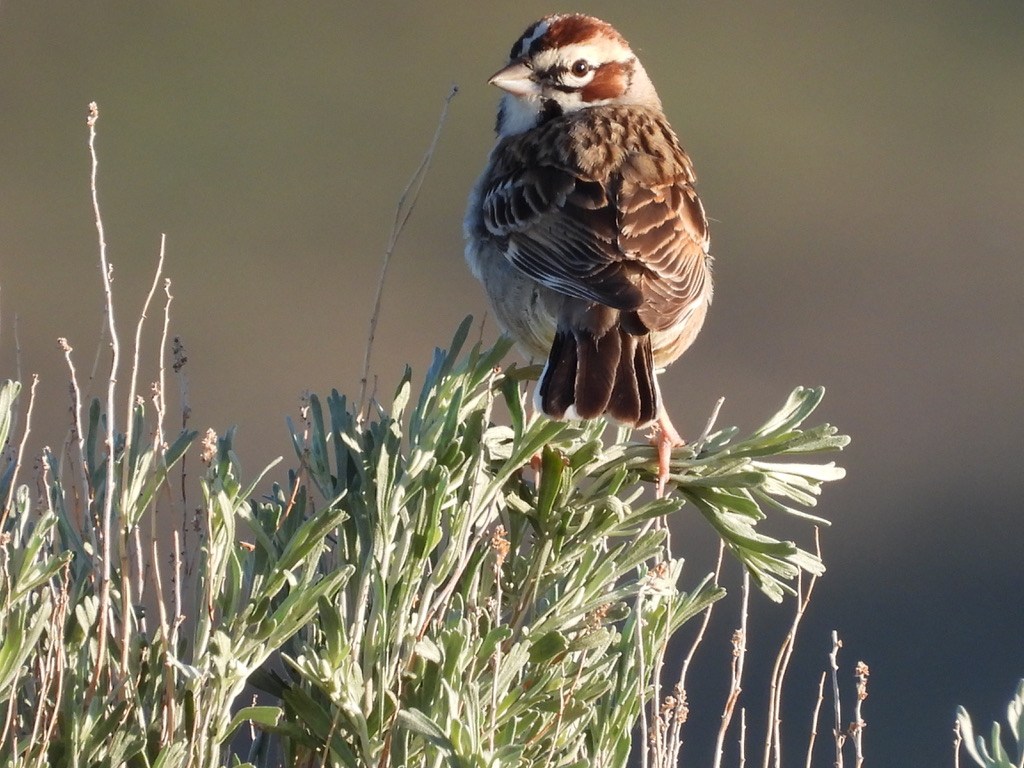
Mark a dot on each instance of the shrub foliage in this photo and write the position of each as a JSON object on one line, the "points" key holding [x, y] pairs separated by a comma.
{"points": [[446, 581]]}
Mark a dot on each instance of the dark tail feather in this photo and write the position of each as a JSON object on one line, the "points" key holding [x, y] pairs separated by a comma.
{"points": [[556, 390], [634, 398], [641, 372], [612, 374], [595, 372]]}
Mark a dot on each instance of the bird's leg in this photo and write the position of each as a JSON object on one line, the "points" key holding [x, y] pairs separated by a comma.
{"points": [[664, 438], [536, 462]]}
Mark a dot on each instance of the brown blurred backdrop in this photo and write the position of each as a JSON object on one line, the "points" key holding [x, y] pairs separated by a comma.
{"points": [[863, 164]]}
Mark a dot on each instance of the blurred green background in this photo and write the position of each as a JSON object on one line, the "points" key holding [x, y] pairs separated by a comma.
{"points": [[863, 165]]}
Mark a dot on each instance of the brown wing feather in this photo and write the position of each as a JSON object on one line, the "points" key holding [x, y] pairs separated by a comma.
{"points": [[662, 222], [600, 205], [558, 229]]}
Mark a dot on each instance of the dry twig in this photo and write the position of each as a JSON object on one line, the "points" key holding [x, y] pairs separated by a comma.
{"points": [[773, 735], [115, 348], [406, 205], [857, 728], [814, 719], [837, 730], [739, 653]]}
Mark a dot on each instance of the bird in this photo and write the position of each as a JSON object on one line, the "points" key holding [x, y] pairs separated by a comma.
{"points": [[586, 230]]}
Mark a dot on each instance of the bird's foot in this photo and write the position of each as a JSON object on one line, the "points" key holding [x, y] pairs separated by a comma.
{"points": [[664, 438]]}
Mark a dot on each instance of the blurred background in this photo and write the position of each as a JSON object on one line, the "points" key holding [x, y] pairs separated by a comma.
{"points": [[863, 165]]}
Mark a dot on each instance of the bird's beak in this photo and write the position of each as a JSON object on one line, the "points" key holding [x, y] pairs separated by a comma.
{"points": [[517, 79]]}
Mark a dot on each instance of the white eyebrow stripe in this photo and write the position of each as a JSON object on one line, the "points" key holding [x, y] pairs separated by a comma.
{"points": [[600, 51]]}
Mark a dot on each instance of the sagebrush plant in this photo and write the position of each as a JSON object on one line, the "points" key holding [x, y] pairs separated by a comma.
{"points": [[438, 586], [431, 585]]}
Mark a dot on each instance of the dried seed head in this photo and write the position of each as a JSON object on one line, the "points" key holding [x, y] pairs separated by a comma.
{"points": [[861, 672], [682, 707], [595, 619], [208, 447], [500, 545], [737, 641]]}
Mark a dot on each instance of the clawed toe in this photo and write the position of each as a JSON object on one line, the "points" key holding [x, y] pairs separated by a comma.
{"points": [[664, 438]]}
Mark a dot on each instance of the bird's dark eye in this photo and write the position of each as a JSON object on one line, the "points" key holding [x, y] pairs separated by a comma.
{"points": [[580, 67]]}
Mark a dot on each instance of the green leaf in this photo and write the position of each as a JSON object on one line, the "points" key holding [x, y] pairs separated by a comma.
{"points": [[551, 472], [263, 716], [547, 647], [419, 723]]}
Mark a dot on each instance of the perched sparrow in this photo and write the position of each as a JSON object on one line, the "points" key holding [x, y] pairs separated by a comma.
{"points": [[585, 227]]}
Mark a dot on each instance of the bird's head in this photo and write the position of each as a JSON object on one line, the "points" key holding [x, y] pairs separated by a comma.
{"points": [[564, 63]]}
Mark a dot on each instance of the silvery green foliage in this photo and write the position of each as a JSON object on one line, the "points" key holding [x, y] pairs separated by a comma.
{"points": [[993, 754], [513, 590], [168, 690], [446, 582]]}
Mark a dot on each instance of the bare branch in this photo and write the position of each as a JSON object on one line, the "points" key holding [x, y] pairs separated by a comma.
{"points": [[773, 735], [83, 476], [406, 205], [837, 731], [711, 420], [108, 498], [739, 653], [814, 719], [857, 728]]}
